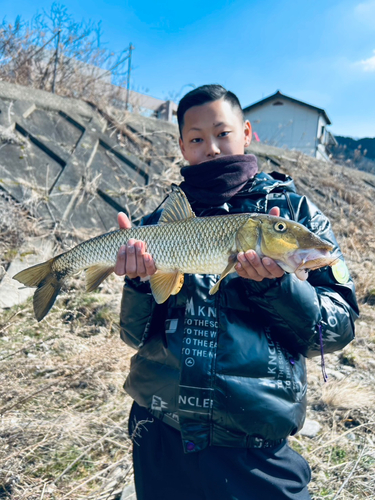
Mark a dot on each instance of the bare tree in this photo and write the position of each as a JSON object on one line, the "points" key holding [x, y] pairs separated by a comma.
{"points": [[53, 52]]}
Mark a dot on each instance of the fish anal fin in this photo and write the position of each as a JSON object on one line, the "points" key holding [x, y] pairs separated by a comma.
{"points": [[247, 236], [96, 274], [164, 284], [177, 207], [229, 269]]}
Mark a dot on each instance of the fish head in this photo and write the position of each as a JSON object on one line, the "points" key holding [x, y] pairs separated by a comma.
{"points": [[294, 247]]}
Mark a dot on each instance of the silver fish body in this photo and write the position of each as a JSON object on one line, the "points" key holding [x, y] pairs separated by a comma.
{"points": [[182, 243], [199, 245]]}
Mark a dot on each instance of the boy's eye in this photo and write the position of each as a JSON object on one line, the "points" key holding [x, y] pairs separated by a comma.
{"points": [[224, 134], [196, 140]]}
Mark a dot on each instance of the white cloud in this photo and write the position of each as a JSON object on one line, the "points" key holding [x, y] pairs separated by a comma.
{"points": [[368, 64], [365, 9], [364, 13]]}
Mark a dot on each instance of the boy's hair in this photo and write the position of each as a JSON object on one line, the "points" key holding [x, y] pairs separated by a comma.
{"points": [[202, 95]]}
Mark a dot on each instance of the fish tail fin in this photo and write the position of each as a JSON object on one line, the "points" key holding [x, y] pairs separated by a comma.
{"points": [[32, 276], [47, 283]]}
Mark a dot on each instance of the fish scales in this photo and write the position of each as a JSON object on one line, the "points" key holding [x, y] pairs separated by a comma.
{"points": [[199, 245], [182, 243]]}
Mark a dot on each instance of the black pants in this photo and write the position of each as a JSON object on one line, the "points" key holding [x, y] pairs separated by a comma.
{"points": [[162, 471]]}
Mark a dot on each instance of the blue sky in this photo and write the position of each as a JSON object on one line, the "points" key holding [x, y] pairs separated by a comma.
{"points": [[321, 52]]}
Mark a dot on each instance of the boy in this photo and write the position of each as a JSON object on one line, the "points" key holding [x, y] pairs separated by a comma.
{"points": [[219, 381]]}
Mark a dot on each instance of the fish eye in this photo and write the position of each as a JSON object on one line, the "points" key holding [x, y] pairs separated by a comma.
{"points": [[280, 226]]}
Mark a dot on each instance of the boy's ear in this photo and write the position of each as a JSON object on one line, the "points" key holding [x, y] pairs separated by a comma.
{"points": [[182, 147], [248, 133]]}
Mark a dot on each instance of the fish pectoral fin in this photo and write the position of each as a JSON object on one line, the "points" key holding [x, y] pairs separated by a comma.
{"points": [[164, 284], [248, 234], [176, 208], [229, 269], [96, 274]]}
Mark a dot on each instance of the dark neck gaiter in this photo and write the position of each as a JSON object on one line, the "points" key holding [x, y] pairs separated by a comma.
{"points": [[215, 181]]}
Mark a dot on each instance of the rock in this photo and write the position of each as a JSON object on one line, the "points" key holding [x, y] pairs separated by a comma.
{"points": [[335, 373], [128, 493], [11, 291], [310, 428]]}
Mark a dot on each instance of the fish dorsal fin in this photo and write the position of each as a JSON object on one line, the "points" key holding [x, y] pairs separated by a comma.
{"points": [[177, 207], [164, 284], [96, 274], [247, 236]]}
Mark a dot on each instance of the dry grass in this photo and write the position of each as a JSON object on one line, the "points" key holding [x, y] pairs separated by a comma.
{"points": [[56, 53], [15, 222], [64, 412], [347, 395], [63, 431]]}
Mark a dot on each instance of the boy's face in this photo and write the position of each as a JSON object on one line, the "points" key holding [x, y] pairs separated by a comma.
{"points": [[211, 130]]}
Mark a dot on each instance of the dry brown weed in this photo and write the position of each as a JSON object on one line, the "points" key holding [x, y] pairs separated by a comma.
{"points": [[63, 409]]}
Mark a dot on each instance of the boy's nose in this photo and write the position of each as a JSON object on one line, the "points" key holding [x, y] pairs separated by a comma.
{"points": [[212, 149]]}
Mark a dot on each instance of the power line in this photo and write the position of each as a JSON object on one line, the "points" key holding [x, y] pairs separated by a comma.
{"points": [[129, 68], [41, 48], [56, 59], [114, 67]]}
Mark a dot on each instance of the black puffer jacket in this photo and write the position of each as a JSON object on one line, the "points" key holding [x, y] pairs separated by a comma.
{"points": [[230, 367]]}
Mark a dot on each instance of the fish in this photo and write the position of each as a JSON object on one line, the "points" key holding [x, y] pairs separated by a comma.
{"points": [[181, 243]]}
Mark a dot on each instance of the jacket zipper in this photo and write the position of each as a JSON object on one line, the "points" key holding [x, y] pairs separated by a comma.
{"points": [[323, 365], [290, 206]]}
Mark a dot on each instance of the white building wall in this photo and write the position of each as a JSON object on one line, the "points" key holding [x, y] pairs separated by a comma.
{"points": [[321, 153], [291, 125], [322, 136], [321, 123]]}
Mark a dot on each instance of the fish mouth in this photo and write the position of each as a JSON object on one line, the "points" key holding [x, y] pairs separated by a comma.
{"points": [[311, 259]]}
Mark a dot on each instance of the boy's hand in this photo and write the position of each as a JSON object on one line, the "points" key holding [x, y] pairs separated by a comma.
{"points": [[132, 259], [252, 267]]}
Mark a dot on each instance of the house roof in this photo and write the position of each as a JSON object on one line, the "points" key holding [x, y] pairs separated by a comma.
{"points": [[277, 95]]}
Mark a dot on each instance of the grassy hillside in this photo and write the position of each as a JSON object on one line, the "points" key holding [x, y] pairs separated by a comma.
{"points": [[63, 409], [356, 153]]}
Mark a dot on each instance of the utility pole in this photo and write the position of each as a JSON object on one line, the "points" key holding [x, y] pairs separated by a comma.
{"points": [[56, 60], [129, 69]]}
